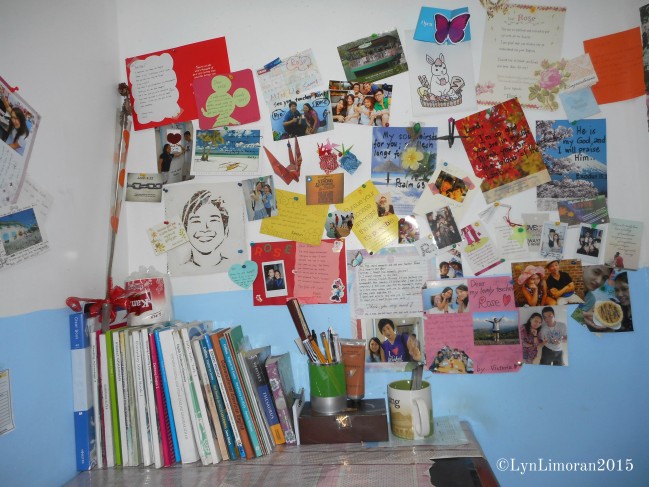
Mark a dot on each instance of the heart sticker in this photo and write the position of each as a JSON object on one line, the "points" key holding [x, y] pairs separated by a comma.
{"points": [[243, 275], [506, 299], [174, 138]]}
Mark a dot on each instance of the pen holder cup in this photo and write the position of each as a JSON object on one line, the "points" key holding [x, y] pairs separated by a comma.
{"points": [[328, 388]]}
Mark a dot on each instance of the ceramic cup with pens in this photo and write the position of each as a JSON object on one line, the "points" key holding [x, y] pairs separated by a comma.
{"points": [[411, 411]]}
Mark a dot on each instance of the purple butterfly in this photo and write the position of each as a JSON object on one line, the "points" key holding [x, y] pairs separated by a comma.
{"points": [[453, 29]]}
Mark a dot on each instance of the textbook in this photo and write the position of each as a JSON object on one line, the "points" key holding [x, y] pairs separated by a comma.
{"points": [[280, 376]]}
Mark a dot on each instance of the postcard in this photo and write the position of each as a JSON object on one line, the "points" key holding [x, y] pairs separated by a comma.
{"points": [[614, 54], [516, 44], [174, 148], [325, 189], [588, 210], [339, 224], [212, 216], [590, 247], [479, 248], [533, 227], [509, 234], [161, 82], [623, 243], [258, 196], [295, 219], [144, 187], [285, 78], [471, 326], [502, 150], [374, 57], [289, 269], [607, 306], [226, 99], [303, 115], [544, 335], [373, 231], [402, 162], [22, 236], [167, 235], [441, 76], [360, 103], [576, 157], [548, 283], [553, 240], [443, 26], [220, 152], [19, 123], [386, 303]]}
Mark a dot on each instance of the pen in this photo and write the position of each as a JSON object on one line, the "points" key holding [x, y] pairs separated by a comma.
{"points": [[325, 344]]}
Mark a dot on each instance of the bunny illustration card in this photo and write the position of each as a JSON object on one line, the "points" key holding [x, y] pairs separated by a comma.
{"points": [[441, 76], [226, 99]]}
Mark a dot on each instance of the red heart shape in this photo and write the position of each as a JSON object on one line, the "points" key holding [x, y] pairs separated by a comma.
{"points": [[506, 299], [174, 138]]}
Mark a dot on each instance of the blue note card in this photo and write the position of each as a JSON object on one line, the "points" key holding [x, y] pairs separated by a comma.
{"points": [[443, 26], [579, 104]]}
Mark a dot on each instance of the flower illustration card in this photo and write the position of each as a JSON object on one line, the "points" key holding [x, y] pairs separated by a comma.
{"points": [[441, 76], [502, 150], [402, 162], [575, 155], [517, 41], [226, 99]]}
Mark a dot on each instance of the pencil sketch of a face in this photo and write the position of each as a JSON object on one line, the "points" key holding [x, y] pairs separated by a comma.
{"points": [[205, 218]]}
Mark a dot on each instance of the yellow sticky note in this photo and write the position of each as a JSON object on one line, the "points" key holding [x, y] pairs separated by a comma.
{"points": [[295, 219], [373, 232]]}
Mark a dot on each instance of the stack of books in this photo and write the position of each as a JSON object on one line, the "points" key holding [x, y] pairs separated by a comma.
{"points": [[176, 392]]}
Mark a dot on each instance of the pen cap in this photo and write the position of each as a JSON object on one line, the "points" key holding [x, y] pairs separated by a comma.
{"points": [[328, 387]]}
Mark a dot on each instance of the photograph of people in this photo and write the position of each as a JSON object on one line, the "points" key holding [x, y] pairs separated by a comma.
{"points": [[552, 239], [274, 278], [375, 352], [294, 122], [533, 287], [311, 118], [306, 115], [442, 225], [447, 296], [18, 131], [441, 302], [366, 111], [257, 197], [462, 298], [495, 328], [164, 161], [398, 346], [595, 278], [384, 205], [452, 361], [554, 336], [381, 108], [212, 215], [530, 337], [339, 110], [561, 286]]}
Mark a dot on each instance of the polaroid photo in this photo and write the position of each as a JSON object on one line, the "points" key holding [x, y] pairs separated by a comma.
{"points": [[590, 246], [19, 123], [374, 57], [174, 146], [21, 236], [553, 237], [259, 197], [212, 215], [449, 186], [449, 264], [275, 278], [223, 152], [442, 225], [339, 224], [308, 114]]}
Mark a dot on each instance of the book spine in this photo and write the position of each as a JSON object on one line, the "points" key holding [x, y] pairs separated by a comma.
{"points": [[259, 418], [82, 389], [107, 418], [165, 388], [132, 432], [182, 420], [151, 417], [140, 397], [122, 412], [238, 425], [193, 409], [283, 412], [96, 392], [224, 420], [262, 389], [166, 442], [112, 379], [221, 451], [240, 396]]}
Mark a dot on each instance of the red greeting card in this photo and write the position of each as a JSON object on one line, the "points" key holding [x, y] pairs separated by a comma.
{"points": [[314, 274], [161, 82], [502, 150], [226, 99]]}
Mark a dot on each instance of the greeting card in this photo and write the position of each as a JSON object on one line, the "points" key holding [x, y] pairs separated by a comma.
{"points": [[502, 150], [161, 82], [623, 243], [226, 99]]}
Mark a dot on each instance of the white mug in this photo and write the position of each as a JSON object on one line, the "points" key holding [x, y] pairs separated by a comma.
{"points": [[411, 412]]}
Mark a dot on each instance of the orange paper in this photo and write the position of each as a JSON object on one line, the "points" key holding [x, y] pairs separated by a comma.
{"points": [[617, 59]]}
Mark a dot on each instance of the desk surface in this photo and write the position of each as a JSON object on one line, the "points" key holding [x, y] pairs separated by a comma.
{"points": [[319, 466]]}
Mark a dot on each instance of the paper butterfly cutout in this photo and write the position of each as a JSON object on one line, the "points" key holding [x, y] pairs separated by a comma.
{"points": [[358, 259], [454, 29], [290, 172]]}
